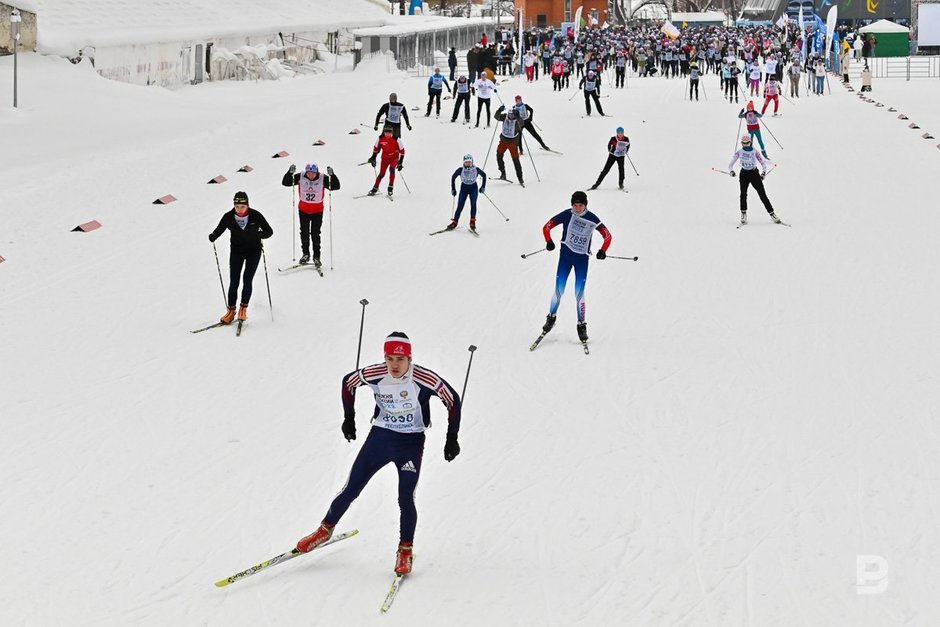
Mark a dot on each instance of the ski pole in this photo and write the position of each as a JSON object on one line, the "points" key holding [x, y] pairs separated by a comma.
{"points": [[463, 392], [267, 281], [573, 95], [219, 268], [540, 250], [772, 168], [721, 171], [771, 133], [625, 258], [404, 181], [492, 137], [367, 126], [704, 93], [293, 227], [497, 208], [362, 322], [738, 134], [330, 197], [690, 90], [537, 177], [631, 164], [453, 205]]}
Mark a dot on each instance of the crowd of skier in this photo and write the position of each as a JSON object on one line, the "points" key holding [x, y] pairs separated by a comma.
{"points": [[768, 57]]}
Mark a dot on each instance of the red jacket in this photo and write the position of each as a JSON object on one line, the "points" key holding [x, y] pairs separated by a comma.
{"points": [[391, 148]]}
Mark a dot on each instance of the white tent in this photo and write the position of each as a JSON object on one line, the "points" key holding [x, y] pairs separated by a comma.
{"points": [[884, 26]]}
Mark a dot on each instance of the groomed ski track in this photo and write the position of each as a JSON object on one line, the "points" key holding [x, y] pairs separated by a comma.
{"points": [[757, 410]]}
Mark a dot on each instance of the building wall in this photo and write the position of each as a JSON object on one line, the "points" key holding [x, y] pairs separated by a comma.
{"points": [[27, 30], [554, 11]]}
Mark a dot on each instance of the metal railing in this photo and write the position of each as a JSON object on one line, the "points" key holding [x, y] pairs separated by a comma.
{"points": [[920, 66]]}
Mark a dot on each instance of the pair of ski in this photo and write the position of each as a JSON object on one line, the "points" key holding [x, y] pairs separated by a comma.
{"points": [[473, 231], [506, 180], [297, 266], [283, 557], [389, 196], [780, 222], [538, 340], [238, 327]]}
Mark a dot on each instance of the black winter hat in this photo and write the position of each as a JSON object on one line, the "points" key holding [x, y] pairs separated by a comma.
{"points": [[241, 198], [579, 197]]}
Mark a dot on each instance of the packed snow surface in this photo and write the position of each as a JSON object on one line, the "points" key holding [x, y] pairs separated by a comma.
{"points": [[757, 411]]}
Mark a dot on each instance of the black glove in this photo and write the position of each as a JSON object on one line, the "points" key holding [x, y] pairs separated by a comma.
{"points": [[762, 175], [349, 429], [549, 245], [601, 254], [451, 448], [409, 127], [401, 164], [212, 238], [329, 171], [733, 174], [376, 127], [453, 192], [292, 169], [372, 161]]}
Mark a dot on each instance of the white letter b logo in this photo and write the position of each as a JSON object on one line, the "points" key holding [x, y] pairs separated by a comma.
{"points": [[871, 574]]}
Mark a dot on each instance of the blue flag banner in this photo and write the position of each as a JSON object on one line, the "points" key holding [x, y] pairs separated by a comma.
{"points": [[819, 42]]}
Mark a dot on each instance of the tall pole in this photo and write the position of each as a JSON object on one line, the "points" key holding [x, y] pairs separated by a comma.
{"points": [[15, 22]]}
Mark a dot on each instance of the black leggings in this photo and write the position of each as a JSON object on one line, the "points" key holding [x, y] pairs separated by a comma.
{"points": [[309, 229], [611, 159], [752, 178], [480, 103], [250, 260]]}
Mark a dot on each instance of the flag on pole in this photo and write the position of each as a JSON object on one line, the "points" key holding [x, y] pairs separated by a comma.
{"points": [[831, 27], [802, 34], [782, 22], [670, 29]]}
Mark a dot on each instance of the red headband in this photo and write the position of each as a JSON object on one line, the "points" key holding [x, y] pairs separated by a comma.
{"points": [[397, 346]]}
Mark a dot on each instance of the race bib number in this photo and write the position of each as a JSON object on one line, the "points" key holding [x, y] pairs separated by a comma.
{"points": [[399, 408], [579, 235]]}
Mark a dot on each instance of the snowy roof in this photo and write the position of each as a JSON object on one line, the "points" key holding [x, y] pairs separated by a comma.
{"points": [[31, 6], [702, 16], [414, 23], [68, 25], [884, 26]]}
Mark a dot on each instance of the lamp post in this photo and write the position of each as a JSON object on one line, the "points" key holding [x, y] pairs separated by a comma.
{"points": [[15, 20]]}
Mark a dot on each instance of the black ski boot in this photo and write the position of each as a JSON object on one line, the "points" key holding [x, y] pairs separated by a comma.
{"points": [[391, 189], [582, 331], [373, 191], [304, 259], [549, 323]]}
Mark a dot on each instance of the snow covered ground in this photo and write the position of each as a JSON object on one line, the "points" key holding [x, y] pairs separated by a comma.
{"points": [[756, 412]]}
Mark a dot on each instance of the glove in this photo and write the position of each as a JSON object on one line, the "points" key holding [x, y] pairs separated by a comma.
{"points": [[400, 166], [762, 175], [212, 238], [482, 190], [349, 429], [601, 254], [292, 169], [376, 127], [329, 171], [549, 245], [453, 192], [733, 174], [371, 161], [409, 126], [451, 448]]}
